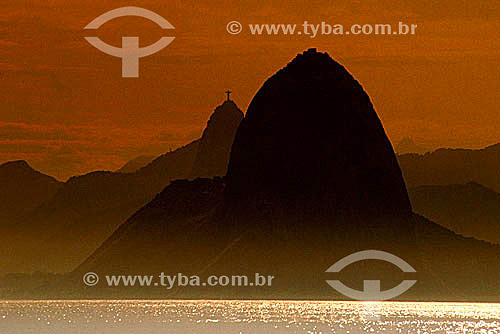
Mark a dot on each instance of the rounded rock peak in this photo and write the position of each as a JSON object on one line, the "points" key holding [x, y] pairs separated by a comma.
{"points": [[312, 139]]}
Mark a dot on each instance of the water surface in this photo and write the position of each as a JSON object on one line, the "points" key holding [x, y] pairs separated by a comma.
{"points": [[202, 317]]}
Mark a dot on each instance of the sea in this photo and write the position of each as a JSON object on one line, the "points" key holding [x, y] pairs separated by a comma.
{"points": [[238, 317]]}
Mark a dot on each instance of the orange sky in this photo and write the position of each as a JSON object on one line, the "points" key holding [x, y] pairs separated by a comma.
{"points": [[66, 109]]}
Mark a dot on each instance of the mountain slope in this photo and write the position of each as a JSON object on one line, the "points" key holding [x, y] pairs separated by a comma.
{"points": [[88, 208], [453, 166], [136, 163], [23, 188], [468, 209]]}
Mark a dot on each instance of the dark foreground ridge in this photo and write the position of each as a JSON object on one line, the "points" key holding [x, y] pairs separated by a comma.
{"points": [[312, 178]]}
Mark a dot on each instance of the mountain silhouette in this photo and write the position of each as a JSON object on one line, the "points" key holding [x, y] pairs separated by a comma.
{"points": [[23, 188], [469, 209], [281, 146], [136, 163], [453, 166], [298, 196], [213, 151], [87, 209]]}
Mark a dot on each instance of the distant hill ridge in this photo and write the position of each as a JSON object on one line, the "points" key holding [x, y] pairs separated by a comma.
{"points": [[448, 166], [469, 209], [81, 213], [136, 163], [23, 188]]}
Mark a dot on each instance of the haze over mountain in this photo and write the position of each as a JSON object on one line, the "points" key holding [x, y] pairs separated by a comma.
{"points": [[291, 209], [408, 145], [136, 163], [447, 92], [457, 188], [87, 209], [469, 209], [23, 188], [453, 166]]}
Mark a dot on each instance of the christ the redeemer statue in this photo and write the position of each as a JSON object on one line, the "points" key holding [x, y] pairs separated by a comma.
{"points": [[228, 92]]}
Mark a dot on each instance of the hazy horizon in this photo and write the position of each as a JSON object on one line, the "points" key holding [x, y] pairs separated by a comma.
{"points": [[67, 111]]}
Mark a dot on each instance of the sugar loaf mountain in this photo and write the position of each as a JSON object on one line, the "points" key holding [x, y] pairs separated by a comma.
{"points": [[312, 177]]}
